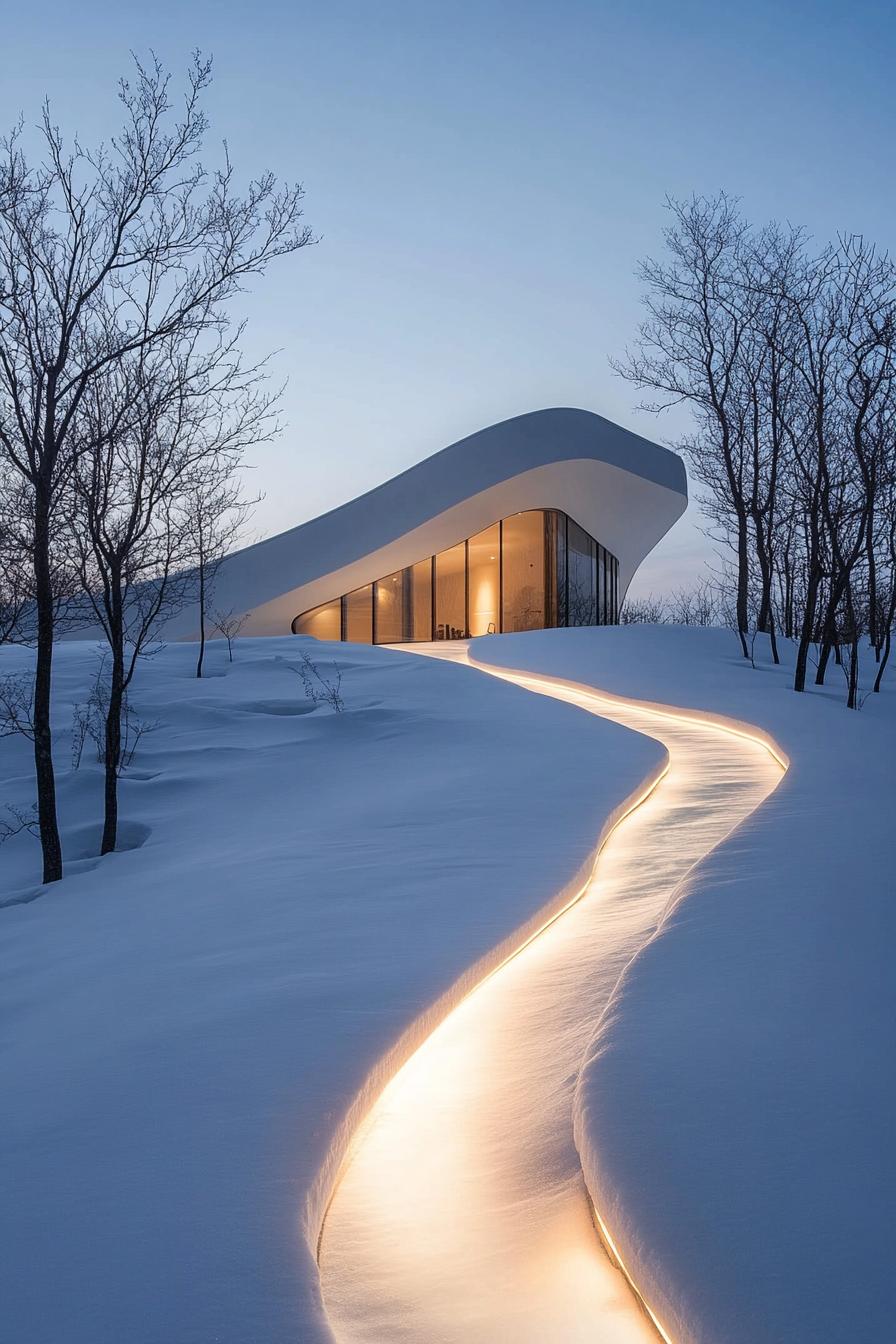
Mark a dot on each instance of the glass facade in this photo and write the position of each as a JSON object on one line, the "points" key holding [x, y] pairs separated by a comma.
{"points": [[357, 616], [484, 582], [323, 622], [391, 608], [451, 593], [534, 570], [524, 549], [581, 576]]}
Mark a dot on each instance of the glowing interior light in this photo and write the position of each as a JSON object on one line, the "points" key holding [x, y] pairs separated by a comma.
{"points": [[461, 1214]]}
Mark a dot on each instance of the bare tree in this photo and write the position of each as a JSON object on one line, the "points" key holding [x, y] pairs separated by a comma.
{"points": [[698, 605], [106, 252], [886, 588], [689, 350], [229, 625], [774, 261], [701, 605], [16, 705], [217, 511], [90, 720], [161, 426], [649, 610], [13, 578], [16, 719], [18, 820], [129, 539], [788, 361], [840, 434]]}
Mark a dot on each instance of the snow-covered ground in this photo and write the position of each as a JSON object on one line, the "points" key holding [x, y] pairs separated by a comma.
{"points": [[736, 1111], [186, 1024], [192, 1027], [481, 1116]]}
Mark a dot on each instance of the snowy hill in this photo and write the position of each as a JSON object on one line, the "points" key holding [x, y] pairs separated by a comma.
{"points": [[187, 1024], [737, 1111], [193, 1027]]}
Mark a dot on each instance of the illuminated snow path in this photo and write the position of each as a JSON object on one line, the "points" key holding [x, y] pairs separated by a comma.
{"points": [[461, 1212]]}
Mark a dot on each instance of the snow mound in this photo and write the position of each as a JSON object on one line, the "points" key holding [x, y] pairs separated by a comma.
{"points": [[737, 1106], [193, 1025]]}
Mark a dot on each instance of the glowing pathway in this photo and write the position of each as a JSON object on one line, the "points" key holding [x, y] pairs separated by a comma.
{"points": [[461, 1214]]}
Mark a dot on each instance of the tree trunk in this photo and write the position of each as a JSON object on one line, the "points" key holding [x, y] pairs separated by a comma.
{"points": [[50, 843], [201, 618], [806, 632], [112, 755], [885, 655], [766, 618], [871, 561], [743, 619], [852, 683], [788, 599]]}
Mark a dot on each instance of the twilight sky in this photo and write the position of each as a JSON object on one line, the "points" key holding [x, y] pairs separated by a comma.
{"points": [[484, 175]]}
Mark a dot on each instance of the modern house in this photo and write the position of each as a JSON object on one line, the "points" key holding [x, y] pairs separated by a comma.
{"points": [[537, 521]]}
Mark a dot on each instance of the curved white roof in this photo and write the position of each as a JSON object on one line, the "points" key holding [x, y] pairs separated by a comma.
{"points": [[626, 491]]}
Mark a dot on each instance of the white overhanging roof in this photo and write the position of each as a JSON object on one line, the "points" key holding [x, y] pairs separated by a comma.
{"points": [[626, 491]]}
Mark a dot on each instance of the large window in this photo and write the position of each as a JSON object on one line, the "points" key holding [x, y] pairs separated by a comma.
{"points": [[607, 587], [391, 608], [581, 561], [529, 571], [451, 593], [524, 548], [322, 622], [484, 581], [358, 616], [421, 600]]}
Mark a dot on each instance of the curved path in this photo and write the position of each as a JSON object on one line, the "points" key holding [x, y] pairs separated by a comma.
{"points": [[461, 1215]]}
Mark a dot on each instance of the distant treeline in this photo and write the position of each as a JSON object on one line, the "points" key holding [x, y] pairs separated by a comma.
{"points": [[786, 354]]}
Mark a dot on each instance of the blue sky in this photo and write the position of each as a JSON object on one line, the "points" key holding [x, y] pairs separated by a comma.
{"points": [[484, 177]]}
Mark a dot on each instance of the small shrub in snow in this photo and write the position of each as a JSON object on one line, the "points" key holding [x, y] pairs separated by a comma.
{"points": [[16, 717], [647, 610], [17, 705], [317, 687], [701, 604], [229, 624], [17, 820], [89, 721]]}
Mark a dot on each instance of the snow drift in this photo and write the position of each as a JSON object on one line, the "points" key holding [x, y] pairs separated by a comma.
{"points": [[192, 1026], [736, 1108]]}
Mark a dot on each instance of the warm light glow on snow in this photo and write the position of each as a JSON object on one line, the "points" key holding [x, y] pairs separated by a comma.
{"points": [[461, 1213]]}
